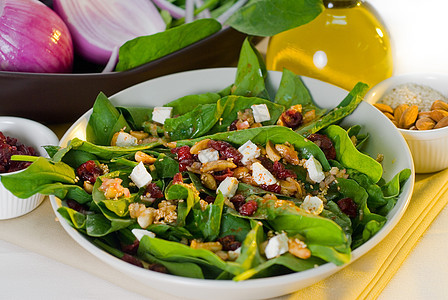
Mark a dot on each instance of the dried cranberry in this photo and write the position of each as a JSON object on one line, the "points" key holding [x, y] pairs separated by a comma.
{"points": [[132, 260], [248, 208], [232, 126], [221, 175], [154, 190], [324, 143], [184, 157], [76, 206], [132, 248], [348, 207], [158, 268], [10, 146], [238, 200], [267, 163], [281, 172], [209, 199], [178, 178], [226, 150], [292, 118], [273, 188], [228, 242], [89, 171]]}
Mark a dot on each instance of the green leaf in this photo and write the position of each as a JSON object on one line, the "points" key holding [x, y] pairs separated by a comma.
{"points": [[194, 123], [292, 91], [144, 49], [104, 121], [187, 103], [186, 192], [267, 17], [38, 177], [350, 157], [208, 221], [345, 108], [251, 73]]}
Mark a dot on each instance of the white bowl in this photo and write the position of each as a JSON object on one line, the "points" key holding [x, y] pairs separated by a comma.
{"points": [[384, 139], [428, 147], [29, 133]]}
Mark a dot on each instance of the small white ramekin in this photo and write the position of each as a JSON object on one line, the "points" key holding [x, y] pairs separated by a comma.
{"points": [[428, 147], [29, 133]]}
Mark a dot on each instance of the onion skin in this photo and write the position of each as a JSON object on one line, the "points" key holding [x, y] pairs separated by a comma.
{"points": [[98, 27], [33, 38]]}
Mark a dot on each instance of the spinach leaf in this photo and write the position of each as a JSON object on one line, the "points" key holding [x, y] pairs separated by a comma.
{"points": [[250, 256], [185, 192], [194, 123], [267, 18], [185, 104], [144, 49], [260, 135], [208, 221], [166, 167], [97, 225], [136, 116], [287, 260], [234, 225], [350, 157], [345, 108], [292, 91], [251, 73], [233, 104], [104, 121], [74, 218]]}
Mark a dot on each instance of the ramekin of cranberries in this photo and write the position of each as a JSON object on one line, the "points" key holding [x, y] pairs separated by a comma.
{"points": [[19, 136]]}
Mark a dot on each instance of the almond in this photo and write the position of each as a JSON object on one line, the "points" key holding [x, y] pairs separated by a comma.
{"points": [[442, 123], [408, 117], [438, 114], [425, 124], [399, 110], [424, 114], [389, 116], [384, 108], [439, 104]]}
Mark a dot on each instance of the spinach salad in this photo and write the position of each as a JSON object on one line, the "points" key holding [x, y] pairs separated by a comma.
{"points": [[227, 185]]}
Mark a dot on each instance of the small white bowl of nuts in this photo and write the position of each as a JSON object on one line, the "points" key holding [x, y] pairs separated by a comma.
{"points": [[418, 105]]}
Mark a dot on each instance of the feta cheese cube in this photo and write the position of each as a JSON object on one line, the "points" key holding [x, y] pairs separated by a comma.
{"points": [[208, 155], [313, 205], [228, 187], [260, 112], [161, 113], [124, 139], [140, 233], [249, 151], [261, 175], [276, 246], [314, 169], [140, 176]]}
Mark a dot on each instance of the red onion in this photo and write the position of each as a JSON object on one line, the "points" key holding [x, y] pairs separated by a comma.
{"points": [[99, 26], [33, 38]]}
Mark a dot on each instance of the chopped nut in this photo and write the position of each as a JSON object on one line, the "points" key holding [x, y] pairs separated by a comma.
{"points": [[147, 159], [208, 181], [288, 153], [139, 135], [298, 248], [217, 165], [271, 152], [198, 146], [211, 246]]}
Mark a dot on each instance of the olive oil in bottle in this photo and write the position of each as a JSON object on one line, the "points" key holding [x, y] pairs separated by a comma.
{"points": [[345, 44]]}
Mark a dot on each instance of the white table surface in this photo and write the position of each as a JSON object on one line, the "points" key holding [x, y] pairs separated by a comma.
{"points": [[421, 45]]}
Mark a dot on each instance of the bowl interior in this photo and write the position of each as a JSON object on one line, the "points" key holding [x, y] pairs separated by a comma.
{"points": [[384, 138]]}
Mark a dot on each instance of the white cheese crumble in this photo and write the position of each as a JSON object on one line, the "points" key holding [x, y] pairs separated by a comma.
{"points": [[261, 175], [208, 155], [313, 205], [276, 246], [228, 187], [261, 113], [314, 169], [124, 139], [161, 113], [140, 176], [249, 151], [140, 233]]}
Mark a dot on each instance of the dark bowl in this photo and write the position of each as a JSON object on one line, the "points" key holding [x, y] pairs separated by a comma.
{"points": [[63, 98]]}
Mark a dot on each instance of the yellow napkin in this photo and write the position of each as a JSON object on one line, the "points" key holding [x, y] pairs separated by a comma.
{"points": [[369, 275]]}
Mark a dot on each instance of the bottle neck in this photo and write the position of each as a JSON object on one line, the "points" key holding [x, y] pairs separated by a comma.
{"points": [[340, 3]]}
